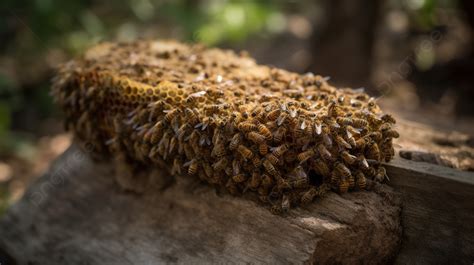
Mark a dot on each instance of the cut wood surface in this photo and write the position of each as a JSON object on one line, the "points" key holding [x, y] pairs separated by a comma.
{"points": [[437, 197], [437, 214], [76, 214]]}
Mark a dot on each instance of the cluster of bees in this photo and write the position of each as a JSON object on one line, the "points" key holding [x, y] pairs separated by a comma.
{"points": [[220, 117]]}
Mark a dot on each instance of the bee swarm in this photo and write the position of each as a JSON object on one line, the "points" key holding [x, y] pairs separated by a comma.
{"points": [[221, 117]]}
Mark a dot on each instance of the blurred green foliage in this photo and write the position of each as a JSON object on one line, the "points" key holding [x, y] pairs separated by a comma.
{"points": [[37, 34], [37, 30], [423, 12], [221, 21]]}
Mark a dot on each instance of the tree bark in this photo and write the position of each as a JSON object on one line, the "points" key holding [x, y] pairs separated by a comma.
{"points": [[77, 213]]}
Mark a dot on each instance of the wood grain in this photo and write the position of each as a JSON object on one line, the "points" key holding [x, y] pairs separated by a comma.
{"points": [[437, 215], [77, 214]]}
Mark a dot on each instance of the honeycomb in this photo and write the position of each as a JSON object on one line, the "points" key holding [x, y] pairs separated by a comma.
{"points": [[222, 118]]}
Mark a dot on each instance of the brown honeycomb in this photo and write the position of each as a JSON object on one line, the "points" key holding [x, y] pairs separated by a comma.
{"points": [[219, 116]]}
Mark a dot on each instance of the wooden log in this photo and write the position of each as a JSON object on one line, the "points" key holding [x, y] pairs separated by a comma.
{"points": [[76, 213], [437, 215]]}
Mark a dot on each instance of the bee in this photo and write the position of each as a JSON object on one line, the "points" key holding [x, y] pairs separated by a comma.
{"points": [[334, 110], [181, 132], [282, 184], [300, 130], [256, 137], [325, 135], [170, 115], [263, 149], [188, 151], [355, 103], [332, 124], [173, 145], [343, 186], [359, 123], [381, 175], [385, 127], [388, 118], [351, 140], [176, 168], [323, 152], [341, 142], [218, 150], [391, 134], [373, 151], [285, 203], [153, 135], [281, 119], [273, 115], [239, 178], [376, 136], [362, 161], [193, 166], [235, 141], [348, 158], [303, 156], [272, 158], [370, 172], [164, 144], [267, 181], [280, 150], [256, 111], [342, 170], [299, 172], [352, 131], [212, 109], [191, 117], [279, 134], [270, 168], [245, 152], [360, 180], [318, 128], [321, 167], [388, 152], [373, 120], [263, 130], [300, 183], [309, 195], [246, 126], [220, 164], [256, 161], [351, 182], [119, 126], [232, 188], [254, 181], [344, 120], [236, 117], [235, 167], [360, 143], [293, 111], [335, 178], [372, 105], [207, 169]]}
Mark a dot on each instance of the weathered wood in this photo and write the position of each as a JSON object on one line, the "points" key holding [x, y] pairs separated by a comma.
{"points": [[423, 143], [77, 214], [438, 201], [437, 215]]}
